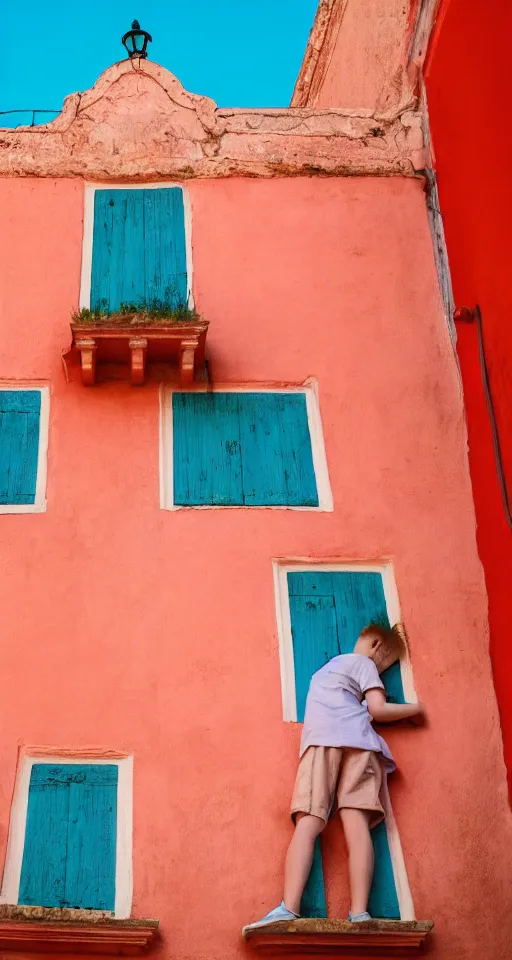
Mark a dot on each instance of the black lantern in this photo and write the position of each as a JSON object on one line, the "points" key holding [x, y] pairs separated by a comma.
{"points": [[136, 41]]}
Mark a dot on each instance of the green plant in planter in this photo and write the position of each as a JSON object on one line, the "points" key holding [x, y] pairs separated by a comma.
{"points": [[145, 312]]}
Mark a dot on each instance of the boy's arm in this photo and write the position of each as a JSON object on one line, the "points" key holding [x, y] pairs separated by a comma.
{"points": [[384, 712]]}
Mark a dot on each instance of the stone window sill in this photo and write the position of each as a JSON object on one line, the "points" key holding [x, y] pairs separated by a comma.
{"points": [[55, 930], [374, 938]]}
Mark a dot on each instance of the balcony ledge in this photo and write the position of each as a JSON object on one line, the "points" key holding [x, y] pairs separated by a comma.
{"points": [[55, 930], [373, 938], [136, 345]]}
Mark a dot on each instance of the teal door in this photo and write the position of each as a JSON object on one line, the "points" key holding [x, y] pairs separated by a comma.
{"points": [[328, 610], [69, 856]]}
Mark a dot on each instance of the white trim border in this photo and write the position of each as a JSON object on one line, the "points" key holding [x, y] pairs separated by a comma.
{"points": [[403, 890], [86, 268], [320, 467], [124, 829], [39, 505]]}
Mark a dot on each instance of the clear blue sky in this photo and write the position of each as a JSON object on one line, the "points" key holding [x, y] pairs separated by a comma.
{"points": [[238, 52]]}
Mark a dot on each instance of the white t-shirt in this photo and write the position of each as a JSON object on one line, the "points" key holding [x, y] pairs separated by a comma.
{"points": [[336, 712]]}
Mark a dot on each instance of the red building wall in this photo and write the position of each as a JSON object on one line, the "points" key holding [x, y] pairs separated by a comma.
{"points": [[468, 84]]}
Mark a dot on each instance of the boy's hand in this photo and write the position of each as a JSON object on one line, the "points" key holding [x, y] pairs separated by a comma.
{"points": [[420, 718]]}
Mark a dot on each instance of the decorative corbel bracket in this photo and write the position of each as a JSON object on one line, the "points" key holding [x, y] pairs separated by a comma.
{"points": [[176, 343], [88, 349], [187, 360], [138, 350]]}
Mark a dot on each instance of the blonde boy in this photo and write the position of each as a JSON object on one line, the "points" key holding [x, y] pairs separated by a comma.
{"points": [[343, 763]]}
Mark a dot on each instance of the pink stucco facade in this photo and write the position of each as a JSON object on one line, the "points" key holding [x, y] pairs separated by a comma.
{"points": [[135, 629]]}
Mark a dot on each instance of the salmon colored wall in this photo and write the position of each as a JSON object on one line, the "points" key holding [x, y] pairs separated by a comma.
{"points": [[138, 629], [366, 64], [468, 85]]}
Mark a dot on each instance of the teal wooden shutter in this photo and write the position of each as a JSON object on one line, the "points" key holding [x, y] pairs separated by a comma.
{"points": [[138, 250], [242, 449], [20, 412], [206, 449], [315, 640], [314, 903], [328, 610], [276, 450], [69, 857]]}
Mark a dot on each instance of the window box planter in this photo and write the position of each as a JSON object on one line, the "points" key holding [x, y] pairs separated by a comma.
{"points": [[54, 930], [136, 344], [374, 938]]}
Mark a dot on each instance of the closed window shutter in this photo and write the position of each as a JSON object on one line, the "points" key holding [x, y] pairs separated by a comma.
{"points": [[315, 640], [165, 258], [276, 450], [206, 449], [19, 445], [242, 449], [328, 610], [139, 251], [69, 857]]}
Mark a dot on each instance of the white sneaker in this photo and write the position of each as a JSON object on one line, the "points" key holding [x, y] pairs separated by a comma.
{"points": [[278, 913], [359, 917]]}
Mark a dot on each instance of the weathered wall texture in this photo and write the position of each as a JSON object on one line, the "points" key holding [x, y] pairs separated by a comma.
{"points": [[136, 629], [138, 123], [357, 57]]}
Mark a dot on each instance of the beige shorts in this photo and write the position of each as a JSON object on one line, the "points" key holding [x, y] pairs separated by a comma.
{"points": [[331, 778]]}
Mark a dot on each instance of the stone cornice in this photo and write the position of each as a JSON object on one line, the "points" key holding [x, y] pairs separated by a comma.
{"points": [[139, 124]]}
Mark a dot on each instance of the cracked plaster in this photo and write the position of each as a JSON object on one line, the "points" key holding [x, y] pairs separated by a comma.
{"points": [[371, 58], [137, 123]]}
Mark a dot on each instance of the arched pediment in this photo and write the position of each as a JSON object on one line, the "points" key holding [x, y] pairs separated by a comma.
{"points": [[138, 123]]}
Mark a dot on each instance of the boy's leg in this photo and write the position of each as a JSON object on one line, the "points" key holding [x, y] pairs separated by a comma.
{"points": [[360, 806], [299, 858], [356, 827], [313, 794]]}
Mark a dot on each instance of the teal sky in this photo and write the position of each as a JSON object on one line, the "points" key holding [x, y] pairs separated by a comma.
{"points": [[240, 54]]}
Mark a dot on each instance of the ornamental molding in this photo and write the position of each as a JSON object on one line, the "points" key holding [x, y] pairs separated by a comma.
{"points": [[138, 124]]}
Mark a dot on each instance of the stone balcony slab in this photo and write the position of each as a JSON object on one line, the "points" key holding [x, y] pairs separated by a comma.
{"points": [[374, 938], [54, 930]]}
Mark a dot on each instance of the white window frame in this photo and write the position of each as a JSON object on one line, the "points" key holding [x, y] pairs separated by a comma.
{"points": [[39, 505], [281, 568], [124, 828], [309, 389], [86, 269]]}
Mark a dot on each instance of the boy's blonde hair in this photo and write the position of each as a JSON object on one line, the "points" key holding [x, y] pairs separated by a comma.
{"points": [[392, 639]]}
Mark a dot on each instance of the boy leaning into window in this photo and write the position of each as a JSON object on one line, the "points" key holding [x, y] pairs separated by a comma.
{"points": [[343, 765]]}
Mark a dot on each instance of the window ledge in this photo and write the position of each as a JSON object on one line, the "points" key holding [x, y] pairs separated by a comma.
{"points": [[135, 346], [374, 938], [55, 930]]}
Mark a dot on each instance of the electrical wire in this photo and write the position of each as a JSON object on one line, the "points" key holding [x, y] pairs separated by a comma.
{"points": [[477, 315]]}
